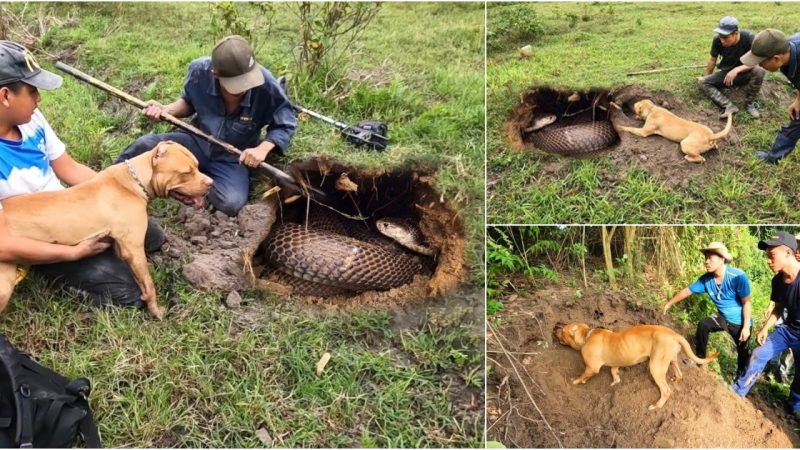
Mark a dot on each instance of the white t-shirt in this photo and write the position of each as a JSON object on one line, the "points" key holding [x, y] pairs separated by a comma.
{"points": [[25, 164]]}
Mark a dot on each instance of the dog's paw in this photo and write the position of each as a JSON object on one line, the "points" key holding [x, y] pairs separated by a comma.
{"points": [[158, 312], [615, 382], [577, 381], [652, 407]]}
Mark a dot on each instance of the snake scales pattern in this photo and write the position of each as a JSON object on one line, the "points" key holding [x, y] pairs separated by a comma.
{"points": [[331, 256], [576, 139]]}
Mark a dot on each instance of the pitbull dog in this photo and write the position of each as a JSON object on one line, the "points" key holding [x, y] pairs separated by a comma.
{"points": [[695, 139], [113, 203], [600, 347]]}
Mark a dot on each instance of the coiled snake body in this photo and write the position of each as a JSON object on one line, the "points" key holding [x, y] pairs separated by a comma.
{"points": [[330, 257], [572, 139]]}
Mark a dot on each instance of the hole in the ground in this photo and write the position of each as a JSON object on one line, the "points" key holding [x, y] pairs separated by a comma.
{"points": [[315, 252], [569, 123]]}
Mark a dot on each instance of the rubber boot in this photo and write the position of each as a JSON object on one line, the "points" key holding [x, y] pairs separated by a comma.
{"points": [[719, 99], [752, 90]]}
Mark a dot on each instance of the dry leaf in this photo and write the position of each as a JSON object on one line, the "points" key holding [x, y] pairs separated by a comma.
{"points": [[292, 199], [322, 363], [263, 436], [271, 191]]}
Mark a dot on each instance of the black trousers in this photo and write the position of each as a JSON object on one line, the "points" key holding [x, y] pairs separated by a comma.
{"points": [[103, 279], [715, 323]]}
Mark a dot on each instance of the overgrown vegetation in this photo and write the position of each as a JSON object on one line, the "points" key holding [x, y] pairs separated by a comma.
{"points": [[592, 45], [649, 263], [209, 376]]}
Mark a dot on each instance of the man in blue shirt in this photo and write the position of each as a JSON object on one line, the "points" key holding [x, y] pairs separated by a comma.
{"points": [[772, 50], [729, 289], [781, 258], [232, 98]]}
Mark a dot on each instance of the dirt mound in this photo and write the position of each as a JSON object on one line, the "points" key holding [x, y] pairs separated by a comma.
{"points": [[701, 411], [656, 155]]}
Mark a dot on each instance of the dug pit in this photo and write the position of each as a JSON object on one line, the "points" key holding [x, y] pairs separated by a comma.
{"points": [[234, 253], [596, 109]]}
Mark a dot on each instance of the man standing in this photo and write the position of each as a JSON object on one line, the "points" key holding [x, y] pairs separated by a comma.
{"points": [[786, 295], [729, 289], [233, 98], [772, 50], [729, 46]]}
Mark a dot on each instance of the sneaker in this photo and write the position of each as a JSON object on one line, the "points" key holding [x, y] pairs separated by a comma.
{"points": [[767, 158], [753, 111], [732, 109]]}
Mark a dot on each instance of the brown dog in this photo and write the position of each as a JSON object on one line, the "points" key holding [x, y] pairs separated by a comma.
{"points": [[114, 202], [695, 139], [600, 347]]}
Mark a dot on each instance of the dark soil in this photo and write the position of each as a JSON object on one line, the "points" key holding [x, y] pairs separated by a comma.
{"points": [[656, 155], [701, 412]]}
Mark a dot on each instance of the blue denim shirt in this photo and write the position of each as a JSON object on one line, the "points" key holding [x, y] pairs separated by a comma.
{"points": [[792, 71], [265, 105]]}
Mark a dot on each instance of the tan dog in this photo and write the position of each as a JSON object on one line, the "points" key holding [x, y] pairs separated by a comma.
{"points": [[695, 139], [600, 347], [112, 203]]}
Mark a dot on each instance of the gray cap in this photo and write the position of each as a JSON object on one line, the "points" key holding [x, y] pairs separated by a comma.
{"points": [[766, 44], [727, 25], [780, 238], [18, 64], [235, 65]]}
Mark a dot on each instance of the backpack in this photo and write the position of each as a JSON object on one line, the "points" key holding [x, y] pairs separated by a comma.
{"points": [[40, 408]]}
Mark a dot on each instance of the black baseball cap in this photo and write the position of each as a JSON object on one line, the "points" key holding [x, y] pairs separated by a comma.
{"points": [[780, 238], [18, 64]]}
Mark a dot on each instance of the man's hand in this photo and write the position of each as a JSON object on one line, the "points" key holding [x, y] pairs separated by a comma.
{"points": [[92, 246], [794, 110], [762, 336], [153, 110], [252, 157], [732, 74], [745, 334]]}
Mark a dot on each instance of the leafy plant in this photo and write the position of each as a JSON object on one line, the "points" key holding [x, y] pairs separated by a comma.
{"points": [[229, 18], [511, 24]]}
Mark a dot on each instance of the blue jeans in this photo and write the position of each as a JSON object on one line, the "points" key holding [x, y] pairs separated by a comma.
{"points": [[786, 141], [778, 341], [231, 179]]}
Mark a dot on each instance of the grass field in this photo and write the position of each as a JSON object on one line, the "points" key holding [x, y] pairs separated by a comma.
{"points": [[593, 45], [209, 376]]}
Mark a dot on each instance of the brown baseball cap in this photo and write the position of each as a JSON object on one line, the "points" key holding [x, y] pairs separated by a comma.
{"points": [[766, 44], [235, 65]]}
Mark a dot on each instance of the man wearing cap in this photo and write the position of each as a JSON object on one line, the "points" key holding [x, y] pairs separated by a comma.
{"points": [[33, 159], [728, 46], [729, 289], [773, 51], [233, 98], [780, 251]]}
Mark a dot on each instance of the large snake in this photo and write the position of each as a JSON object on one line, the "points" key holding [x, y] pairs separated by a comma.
{"points": [[570, 138], [329, 256]]}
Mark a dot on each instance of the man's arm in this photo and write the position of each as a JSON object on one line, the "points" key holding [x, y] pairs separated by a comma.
{"points": [[794, 108], [735, 72], [16, 249], [777, 312], [70, 171], [180, 108], [680, 296], [712, 62], [747, 312]]}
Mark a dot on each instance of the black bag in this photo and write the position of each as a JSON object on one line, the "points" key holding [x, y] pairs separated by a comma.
{"points": [[40, 408]]}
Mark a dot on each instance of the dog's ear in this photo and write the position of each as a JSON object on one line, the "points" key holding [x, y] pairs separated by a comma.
{"points": [[161, 150]]}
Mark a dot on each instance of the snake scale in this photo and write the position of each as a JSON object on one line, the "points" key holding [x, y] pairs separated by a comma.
{"points": [[334, 256], [571, 138]]}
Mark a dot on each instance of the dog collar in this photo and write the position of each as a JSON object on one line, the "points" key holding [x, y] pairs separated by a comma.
{"points": [[135, 176]]}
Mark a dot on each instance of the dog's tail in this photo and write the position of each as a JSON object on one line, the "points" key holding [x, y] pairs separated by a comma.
{"points": [[688, 350], [725, 131]]}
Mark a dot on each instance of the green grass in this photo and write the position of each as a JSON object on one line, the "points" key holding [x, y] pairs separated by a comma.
{"points": [[590, 45], [209, 376]]}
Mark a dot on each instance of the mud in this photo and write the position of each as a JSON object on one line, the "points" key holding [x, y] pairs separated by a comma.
{"points": [[701, 411], [655, 155], [226, 253]]}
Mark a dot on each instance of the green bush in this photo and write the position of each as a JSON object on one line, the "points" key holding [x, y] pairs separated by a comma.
{"points": [[512, 24]]}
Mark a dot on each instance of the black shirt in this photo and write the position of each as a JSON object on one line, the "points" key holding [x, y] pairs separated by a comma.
{"points": [[788, 295], [731, 55]]}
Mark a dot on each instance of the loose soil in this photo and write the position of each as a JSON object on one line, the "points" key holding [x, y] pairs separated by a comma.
{"points": [[225, 253], [701, 412], [656, 155]]}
